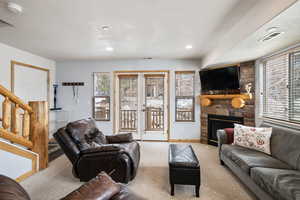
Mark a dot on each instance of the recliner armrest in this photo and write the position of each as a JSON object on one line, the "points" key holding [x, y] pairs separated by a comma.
{"points": [[119, 138], [102, 148]]}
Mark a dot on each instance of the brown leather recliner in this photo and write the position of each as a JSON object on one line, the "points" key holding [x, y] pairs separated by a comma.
{"points": [[91, 152], [100, 187]]}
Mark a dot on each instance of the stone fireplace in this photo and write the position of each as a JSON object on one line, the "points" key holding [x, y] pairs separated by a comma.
{"points": [[216, 122], [223, 107]]}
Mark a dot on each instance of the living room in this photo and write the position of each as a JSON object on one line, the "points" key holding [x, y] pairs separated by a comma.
{"points": [[100, 101]]}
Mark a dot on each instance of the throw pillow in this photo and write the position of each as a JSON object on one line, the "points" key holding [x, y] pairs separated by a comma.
{"points": [[253, 138], [230, 135]]}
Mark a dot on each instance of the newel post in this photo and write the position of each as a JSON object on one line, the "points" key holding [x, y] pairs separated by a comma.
{"points": [[39, 131]]}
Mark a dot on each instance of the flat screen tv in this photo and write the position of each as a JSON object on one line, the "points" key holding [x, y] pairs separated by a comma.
{"points": [[220, 79]]}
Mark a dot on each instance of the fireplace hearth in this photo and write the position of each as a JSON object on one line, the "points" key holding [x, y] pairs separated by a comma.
{"points": [[216, 122]]}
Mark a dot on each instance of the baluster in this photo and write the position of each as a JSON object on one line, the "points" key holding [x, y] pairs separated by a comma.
{"points": [[15, 119], [134, 119], [26, 123], [122, 119], [6, 113]]}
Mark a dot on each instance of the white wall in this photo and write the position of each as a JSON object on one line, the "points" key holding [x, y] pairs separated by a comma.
{"points": [[81, 71], [8, 53], [13, 165]]}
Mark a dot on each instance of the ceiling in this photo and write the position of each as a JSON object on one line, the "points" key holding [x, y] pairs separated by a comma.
{"points": [[72, 29], [252, 47]]}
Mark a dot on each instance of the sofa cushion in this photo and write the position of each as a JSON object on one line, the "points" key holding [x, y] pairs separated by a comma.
{"points": [[280, 183], [247, 158], [285, 144]]}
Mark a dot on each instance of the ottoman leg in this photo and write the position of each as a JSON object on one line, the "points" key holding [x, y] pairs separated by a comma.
{"points": [[172, 189], [197, 188]]}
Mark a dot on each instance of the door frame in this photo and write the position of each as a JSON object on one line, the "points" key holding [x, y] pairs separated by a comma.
{"points": [[115, 74]]}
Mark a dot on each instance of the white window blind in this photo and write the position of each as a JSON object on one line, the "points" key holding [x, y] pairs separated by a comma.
{"points": [[281, 93], [295, 86]]}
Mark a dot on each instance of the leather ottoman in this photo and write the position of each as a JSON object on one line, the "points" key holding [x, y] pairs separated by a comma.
{"points": [[184, 167]]}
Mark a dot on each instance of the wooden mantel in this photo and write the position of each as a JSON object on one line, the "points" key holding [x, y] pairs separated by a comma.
{"points": [[238, 100]]}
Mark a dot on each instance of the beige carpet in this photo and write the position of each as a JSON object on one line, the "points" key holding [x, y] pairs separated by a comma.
{"points": [[152, 180]]}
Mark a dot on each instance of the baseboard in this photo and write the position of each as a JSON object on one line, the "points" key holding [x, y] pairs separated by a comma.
{"points": [[185, 140]]}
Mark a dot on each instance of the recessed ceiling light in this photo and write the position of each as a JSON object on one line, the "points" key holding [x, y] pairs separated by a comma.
{"points": [[188, 46], [109, 49]]}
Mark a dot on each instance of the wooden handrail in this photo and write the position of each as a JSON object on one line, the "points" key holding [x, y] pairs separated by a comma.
{"points": [[6, 93], [15, 138]]}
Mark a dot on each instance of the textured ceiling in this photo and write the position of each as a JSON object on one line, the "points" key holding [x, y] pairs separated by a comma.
{"points": [[71, 29]]}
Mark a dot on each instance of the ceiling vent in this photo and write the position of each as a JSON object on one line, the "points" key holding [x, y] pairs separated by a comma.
{"points": [[5, 24], [270, 36]]}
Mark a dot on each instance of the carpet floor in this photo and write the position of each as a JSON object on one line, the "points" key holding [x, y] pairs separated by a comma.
{"points": [[152, 180]]}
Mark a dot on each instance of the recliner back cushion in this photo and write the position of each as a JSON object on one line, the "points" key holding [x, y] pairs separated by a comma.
{"points": [[285, 145], [84, 133]]}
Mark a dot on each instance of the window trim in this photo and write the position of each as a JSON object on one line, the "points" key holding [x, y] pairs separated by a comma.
{"points": [[185, 97]]}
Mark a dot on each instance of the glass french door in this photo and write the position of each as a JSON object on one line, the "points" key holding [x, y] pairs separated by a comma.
{"points": [[142, 105]]}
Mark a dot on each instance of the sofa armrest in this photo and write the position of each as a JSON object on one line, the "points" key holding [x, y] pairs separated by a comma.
{"points": [[100, 187], [222, 139], [119, 138]]}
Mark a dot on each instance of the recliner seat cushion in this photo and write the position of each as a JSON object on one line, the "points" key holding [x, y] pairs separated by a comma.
{"points": [[247, 158], [280, 183]]}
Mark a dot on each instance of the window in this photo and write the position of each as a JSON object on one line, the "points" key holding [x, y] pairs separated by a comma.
{"points": [[281, 92], [101, 102], [185, 100]]}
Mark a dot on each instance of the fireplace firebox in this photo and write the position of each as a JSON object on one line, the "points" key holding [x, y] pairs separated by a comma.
{"points": [[216, 122]]}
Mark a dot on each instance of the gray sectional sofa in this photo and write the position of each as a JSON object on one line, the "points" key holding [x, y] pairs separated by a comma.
{"points": [[275, 177]]}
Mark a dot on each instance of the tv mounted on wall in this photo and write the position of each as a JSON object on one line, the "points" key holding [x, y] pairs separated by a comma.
{"points": [[220, 79]]}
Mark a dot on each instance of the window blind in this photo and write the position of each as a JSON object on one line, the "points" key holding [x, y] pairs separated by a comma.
{"points": [[295, 86], [281, 92], [276, 92]]}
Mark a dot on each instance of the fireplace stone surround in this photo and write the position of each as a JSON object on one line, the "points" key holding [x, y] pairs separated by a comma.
{"points": [[223, 106]]}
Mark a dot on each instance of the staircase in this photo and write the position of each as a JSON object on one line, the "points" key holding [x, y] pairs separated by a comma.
{"points": [[23, 136]]}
